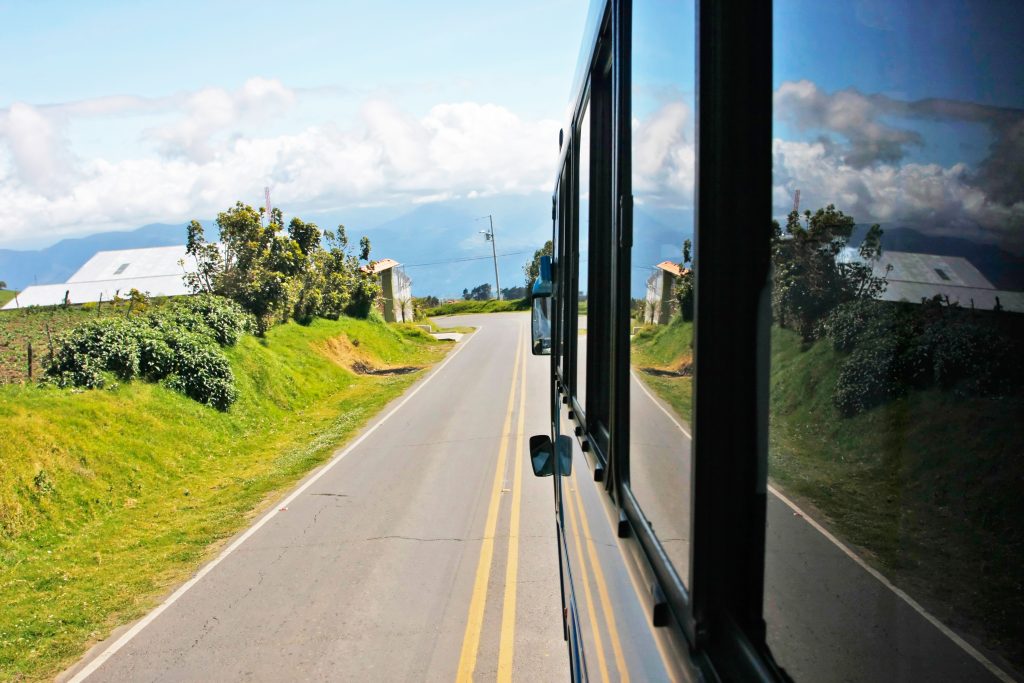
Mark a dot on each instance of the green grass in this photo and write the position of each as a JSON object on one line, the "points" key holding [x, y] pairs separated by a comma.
{"points": [[434, 327], [6, 295], [662, 356], [927, 486], [110, 498], [491, 306]]}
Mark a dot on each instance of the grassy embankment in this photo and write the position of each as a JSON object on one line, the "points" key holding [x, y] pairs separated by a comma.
{"points": [[109, 498], [662, 358], [927, 487], [6, 295], [490, 306], [435, 328]]}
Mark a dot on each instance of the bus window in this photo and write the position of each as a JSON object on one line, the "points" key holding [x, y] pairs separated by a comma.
{"points": [[582, 256], [661, 325], [894, 547]]}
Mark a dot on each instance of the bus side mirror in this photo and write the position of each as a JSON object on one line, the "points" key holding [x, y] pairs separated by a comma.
{"points": [[542, 451], [540, 303]]}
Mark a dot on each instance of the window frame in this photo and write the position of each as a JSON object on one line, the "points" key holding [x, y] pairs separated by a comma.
{"points": [[720, 615]]}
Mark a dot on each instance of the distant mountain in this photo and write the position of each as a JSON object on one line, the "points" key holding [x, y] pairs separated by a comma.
{"points": [[433, 240], [58, 262], [443, 251], [1000, 267]]}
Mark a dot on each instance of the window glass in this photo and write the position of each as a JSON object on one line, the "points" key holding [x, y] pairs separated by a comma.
{"points": [[895, 549], [583, 259], [661, 390]]}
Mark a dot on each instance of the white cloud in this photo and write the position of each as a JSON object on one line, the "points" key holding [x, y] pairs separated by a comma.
{"points": [[213, 110], [865, 172], [663, 156], [204, 164], [939, 200], [38, 150]]}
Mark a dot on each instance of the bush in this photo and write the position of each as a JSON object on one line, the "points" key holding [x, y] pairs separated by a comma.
{"points": [[969, 357], [895, 347], [872, 375], [109, 344], [848, 323], [216, 316], [178, 345], [200, 371]]}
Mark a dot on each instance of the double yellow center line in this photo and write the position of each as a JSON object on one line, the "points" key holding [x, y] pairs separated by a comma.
{"points": [[478, 603]]}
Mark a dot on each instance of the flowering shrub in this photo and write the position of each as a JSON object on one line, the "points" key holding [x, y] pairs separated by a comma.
{"points": [[895, 347], [179, 345]]}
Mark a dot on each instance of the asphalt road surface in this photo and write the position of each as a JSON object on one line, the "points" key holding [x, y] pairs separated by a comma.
{"points": [[374, 572], [829, 617], [427, 552]]}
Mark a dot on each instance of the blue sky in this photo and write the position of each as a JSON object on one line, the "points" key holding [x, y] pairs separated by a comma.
{"points": [[395, 102], [117, 114], [904, 113]]}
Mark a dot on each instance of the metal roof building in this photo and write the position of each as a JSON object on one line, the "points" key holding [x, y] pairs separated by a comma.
{"points": [[913, 277], [156, 271]]}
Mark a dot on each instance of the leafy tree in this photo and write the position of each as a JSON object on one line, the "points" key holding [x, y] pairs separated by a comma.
{"points": [[3, 284], [274, 274], [684, 283], [513, 293], [532, 268], [478, 293], [252, 265], [809, 279], [336, 282]]}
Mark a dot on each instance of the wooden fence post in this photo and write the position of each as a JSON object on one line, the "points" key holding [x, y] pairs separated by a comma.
{"points": [[30, 360]]}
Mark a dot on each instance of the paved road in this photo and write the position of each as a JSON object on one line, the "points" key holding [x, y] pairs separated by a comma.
{"points": [[828, 617], [393, 563], [374, 570]]}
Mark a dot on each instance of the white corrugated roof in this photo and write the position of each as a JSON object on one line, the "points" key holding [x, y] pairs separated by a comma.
{"points": [[913, 277], [155, 271], [930, 269], [126, 264], [83, 292]]}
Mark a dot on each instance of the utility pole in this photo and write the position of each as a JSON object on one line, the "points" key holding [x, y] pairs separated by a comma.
{"points": [[489, 236], [266, 195]]}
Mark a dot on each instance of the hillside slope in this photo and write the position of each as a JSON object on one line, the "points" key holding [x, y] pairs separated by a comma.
{"points": [[926, 487], [108, 498]]}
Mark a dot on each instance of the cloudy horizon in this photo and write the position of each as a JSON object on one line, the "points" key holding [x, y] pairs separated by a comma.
{"points": [[85, 149]]}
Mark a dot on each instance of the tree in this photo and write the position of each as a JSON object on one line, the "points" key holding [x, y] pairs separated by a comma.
{"points": [[478, 293], [513, 293], [809, 278], [274, 274], [337, 282], [3, 284], [532, 267], [252, 266], [684, 283]]}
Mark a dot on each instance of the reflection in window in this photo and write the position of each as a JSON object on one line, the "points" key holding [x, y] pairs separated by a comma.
{"points": [[897, 387], [583, 259], [661, 391]]}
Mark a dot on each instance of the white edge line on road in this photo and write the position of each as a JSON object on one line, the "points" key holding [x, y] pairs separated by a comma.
{"points": [[660, 407], [102, 658], [949, 633]]}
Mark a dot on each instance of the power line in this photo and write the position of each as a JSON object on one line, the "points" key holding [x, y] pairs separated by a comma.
{"points": [[460, 260]]}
